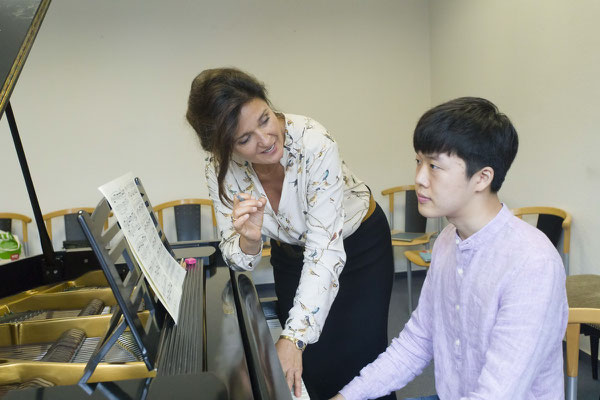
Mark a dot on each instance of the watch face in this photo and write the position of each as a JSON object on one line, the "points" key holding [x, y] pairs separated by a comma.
{"points": [[300, 344]]}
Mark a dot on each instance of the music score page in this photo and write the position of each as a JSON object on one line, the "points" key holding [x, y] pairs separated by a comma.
{"points": [[161, 270]]}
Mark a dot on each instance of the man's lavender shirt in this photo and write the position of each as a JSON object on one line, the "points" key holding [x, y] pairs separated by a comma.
{"points": [[492, 314]]}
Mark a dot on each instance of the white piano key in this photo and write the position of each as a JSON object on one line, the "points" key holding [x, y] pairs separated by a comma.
{"points": [[274, 328], [304, 395]]}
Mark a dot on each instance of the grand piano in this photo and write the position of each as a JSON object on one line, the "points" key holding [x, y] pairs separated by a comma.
{"points": [[58, 309]]}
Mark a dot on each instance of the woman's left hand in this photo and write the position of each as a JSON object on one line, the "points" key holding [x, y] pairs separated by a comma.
{"points": [[291, 362]]}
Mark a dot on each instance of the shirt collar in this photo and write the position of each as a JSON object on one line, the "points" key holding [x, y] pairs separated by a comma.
{"points": [[487, 233], [287, 139]]}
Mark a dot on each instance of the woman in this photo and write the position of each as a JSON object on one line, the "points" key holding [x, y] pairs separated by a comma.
{"points": [[280, 175]]}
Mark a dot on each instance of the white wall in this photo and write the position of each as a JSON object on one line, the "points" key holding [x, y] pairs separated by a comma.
{"points": [[539, 62], [104, 91], [105, 87]]}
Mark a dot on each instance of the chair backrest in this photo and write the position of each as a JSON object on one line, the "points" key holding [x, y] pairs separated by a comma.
{"points": [[188, 217], [6, 223], [552, 221], [413, 221], [74, 236]]}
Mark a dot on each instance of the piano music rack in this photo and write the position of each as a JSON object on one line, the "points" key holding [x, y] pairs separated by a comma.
{"points": [[129, 292]]}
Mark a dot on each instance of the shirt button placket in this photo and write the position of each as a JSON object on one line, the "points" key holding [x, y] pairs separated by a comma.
{"points": [[457, 352]]}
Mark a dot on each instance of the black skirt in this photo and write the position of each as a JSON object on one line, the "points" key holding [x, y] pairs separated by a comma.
{"points": [[355, 332]]}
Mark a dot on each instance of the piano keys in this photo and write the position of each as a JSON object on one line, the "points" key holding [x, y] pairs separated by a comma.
{"points": [[276, 329]]}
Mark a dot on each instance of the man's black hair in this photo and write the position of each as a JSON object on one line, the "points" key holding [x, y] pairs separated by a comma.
{"points": [[473, 129]]}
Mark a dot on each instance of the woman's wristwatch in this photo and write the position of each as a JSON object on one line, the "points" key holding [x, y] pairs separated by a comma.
{"points": [[300, 345]]}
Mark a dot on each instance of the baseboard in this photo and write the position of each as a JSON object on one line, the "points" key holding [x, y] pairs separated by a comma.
{"points": [[402, 274]]}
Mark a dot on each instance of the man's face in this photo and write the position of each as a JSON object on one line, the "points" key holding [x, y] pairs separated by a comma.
{"points": [[442, 186]]}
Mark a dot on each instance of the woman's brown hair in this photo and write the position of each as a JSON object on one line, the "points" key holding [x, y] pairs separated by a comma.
{"points": [[216, 99]]}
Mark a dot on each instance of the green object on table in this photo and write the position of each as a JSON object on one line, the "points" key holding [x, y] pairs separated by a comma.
{"points": [[10, 247]]}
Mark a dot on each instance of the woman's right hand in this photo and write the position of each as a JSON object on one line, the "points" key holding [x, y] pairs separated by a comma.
{"points": [[247, 217], [337, 397]]}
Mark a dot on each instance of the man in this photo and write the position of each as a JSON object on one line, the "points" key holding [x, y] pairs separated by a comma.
{"points": [[493, 308]]}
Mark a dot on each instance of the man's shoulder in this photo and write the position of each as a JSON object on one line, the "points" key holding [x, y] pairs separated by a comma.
{"points": [[526, 237], [528, 249]]}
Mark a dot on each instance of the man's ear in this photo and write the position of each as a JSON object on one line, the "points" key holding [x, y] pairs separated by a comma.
{"points": [[483, 179]]}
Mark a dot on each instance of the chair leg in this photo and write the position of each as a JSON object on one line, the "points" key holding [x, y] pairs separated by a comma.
{"points": [[572, 356], [594, 350], [571, 392], [409, 282]]}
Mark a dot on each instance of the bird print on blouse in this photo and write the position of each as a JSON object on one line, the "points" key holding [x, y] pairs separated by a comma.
{"points": [[321, 203]]}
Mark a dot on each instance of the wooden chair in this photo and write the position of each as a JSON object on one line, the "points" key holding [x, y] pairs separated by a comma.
{"points": [[583, 291], [577, 318], [552, 221], [413, 222], [6, 224], [74, 236], [266, 251], [413, 257], [188, 221]]}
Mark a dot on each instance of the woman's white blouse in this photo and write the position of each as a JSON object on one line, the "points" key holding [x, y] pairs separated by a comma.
{"points": [[321, 203]]}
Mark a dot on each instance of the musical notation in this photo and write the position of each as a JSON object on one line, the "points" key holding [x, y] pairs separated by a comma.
{"points": [[161, 270]]}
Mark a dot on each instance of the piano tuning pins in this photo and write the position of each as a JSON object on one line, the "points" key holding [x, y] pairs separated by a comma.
{"points": [[94, 307], [66, 346]]}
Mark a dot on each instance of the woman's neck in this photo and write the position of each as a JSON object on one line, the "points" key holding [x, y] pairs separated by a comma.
{"points": [[266, 170]]}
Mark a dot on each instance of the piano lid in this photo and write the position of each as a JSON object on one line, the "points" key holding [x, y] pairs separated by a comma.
{"points": [[20, 22]]}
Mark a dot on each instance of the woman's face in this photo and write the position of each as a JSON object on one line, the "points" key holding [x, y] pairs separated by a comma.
{"points": [[259, 135]]}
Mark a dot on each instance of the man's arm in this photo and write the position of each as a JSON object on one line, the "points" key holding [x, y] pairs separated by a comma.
{"points": [[403, 360]]}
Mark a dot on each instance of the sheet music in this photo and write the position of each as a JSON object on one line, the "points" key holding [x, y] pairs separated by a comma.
{"points": [[163, 273]]}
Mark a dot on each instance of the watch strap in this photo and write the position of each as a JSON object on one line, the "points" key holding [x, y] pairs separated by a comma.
{"points": [[300, 345]]}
